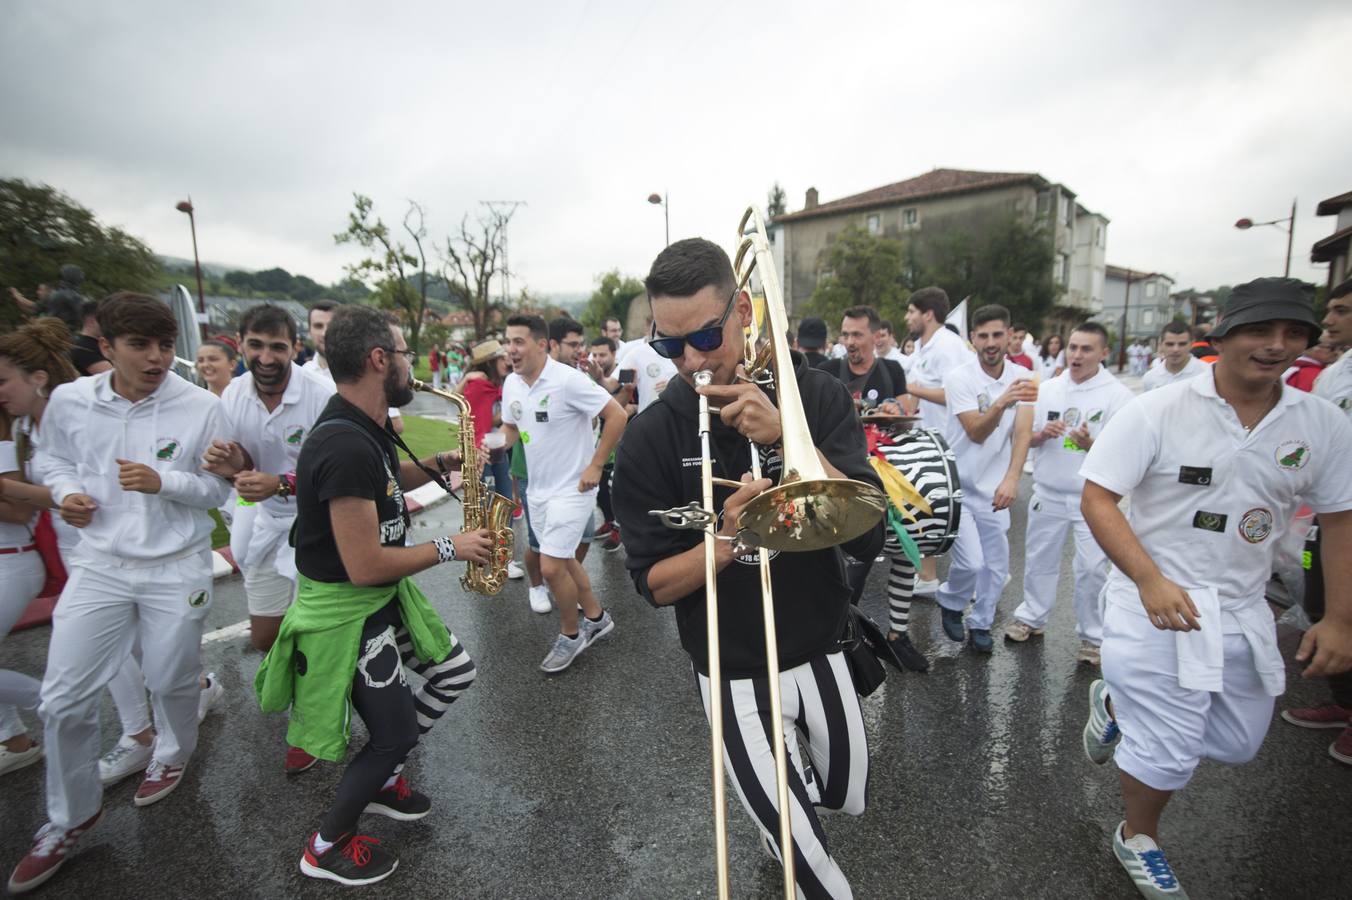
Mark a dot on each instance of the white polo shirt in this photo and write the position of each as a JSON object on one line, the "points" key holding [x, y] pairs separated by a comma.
{"points": [[931, 361], [1209, 500], [1335, 383], [1091, 403], [1160, 375], [273, 438], [652, 371], [554, 416], [313, 367], [968, 388]]}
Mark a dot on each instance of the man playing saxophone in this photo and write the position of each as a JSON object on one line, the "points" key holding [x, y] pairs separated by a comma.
{"points": [[359, 620], [699, 318]]}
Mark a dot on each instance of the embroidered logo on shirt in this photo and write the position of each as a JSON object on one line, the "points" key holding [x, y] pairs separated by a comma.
{"points": [[197, 600], [1095, 416], [295, 434], [516, 410], [654, 369], [1256, 525], [1344, 403], [1293, 454], [168, 449], [983, 402], [1209, 521], [1200, 475], [1071, 417], [544, 402]]}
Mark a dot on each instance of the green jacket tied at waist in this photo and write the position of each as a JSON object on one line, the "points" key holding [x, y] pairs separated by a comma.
{"points": [[310, 668]]}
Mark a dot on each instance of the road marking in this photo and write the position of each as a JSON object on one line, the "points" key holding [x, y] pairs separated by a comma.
{"points": [[229, 631]]}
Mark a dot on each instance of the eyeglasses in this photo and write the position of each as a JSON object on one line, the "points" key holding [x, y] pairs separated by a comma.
{"points": [[703, 340], [408, 355]]}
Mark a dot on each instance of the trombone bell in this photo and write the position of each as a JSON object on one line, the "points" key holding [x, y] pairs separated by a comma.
{"points": [[810, 515]]}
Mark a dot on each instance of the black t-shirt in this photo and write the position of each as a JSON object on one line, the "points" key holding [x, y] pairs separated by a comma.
{"points": [[815, 358], [346, 454], [85, 353], [657, 466], [886, 377]]}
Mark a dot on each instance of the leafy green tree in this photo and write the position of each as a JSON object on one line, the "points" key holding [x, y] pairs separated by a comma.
{"points": [[861, 268], [391, 260], [42, 229], [1005, 260], [775, 201], [614, 292]]}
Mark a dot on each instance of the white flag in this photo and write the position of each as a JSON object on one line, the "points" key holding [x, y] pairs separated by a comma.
{"points": [[958, 318]]}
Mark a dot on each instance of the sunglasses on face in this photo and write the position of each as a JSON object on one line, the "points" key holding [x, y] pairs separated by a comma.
{"points": [[703, 340]]}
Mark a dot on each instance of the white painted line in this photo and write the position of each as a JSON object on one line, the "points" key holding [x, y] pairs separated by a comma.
{"points": [[224, 634]]}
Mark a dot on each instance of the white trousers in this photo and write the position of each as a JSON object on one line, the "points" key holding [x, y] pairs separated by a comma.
{"points": [[979, 562], [818, 698], [21, 577], [1050, 518], [1166, 729], [102, 611]]}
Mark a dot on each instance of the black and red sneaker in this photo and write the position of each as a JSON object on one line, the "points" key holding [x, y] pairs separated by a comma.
{"points": [[297, 761], [51, 847], [400, 802], [606, 528], [352, 860], [613, 539]]}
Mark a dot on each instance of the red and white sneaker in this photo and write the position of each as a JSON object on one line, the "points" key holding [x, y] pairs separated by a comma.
{"points": [[51, 847], [297, 761], [1330, 716], [352, 860], [1341, 749], [159, 782]]}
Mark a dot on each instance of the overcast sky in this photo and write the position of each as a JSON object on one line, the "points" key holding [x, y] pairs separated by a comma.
{"points": [[1173, 119]]}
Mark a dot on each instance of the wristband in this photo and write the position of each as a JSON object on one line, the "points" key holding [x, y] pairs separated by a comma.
{"points": [[445, 549]]}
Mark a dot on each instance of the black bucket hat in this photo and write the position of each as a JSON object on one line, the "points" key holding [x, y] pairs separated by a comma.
{"points": [[1269, 300], [812, 333]]}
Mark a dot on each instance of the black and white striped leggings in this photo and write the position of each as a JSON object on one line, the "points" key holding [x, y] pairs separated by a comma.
{"points": [[820, 704], [900, 585]]}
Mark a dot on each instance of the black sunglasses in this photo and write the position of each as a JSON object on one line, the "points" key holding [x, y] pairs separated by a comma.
{"points": [[703, 340]]}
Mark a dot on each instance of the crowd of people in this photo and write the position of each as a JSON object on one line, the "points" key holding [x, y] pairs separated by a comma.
{"points": [[110, 464]]}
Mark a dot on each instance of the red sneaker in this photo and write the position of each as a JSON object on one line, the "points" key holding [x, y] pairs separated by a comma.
{"points": [[159, 782], [605, 529], [1341, 749], [297, 761], [516, 513], [1331, 716], [51, 846], [612, 540]]}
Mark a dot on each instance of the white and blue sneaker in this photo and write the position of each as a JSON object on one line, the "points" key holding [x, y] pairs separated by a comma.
{"points": [[590, 631], [562, 654], [1145, 863], [1100, 732]]}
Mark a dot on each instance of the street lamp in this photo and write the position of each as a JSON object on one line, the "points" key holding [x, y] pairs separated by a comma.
{"points": [[1290, 229], [661, 200], [186, 207]]}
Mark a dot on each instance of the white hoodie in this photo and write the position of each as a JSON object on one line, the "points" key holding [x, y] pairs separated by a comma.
{"points": [[87, 427]]}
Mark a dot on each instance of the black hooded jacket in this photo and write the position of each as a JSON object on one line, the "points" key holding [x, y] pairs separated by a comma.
{"points": [[657, 466]]}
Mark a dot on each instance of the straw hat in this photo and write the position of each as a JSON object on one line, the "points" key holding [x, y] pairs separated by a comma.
{"points": [[485, 351]]}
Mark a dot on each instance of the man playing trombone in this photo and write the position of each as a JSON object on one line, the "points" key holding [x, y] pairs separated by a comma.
{"points": [[699, 322]]}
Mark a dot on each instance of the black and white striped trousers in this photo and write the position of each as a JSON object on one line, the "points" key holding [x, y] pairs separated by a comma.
{"points": [[445, 681], [900, 585], [820, 704]]}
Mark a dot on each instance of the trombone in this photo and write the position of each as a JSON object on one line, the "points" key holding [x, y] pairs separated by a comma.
{"points": [[808, 510]]}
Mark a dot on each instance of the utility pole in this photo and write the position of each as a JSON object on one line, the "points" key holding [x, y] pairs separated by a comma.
{"points": [[510, 206]]}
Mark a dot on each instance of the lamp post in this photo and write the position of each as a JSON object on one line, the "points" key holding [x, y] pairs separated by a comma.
{"points": [[1290, 229], [186, 207], [661, 200]]}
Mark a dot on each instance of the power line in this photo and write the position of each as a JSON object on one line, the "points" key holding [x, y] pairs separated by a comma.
{"points": [[511, 206]]}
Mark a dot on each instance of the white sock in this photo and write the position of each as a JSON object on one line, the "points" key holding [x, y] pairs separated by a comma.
{"points": [[321, 845]]}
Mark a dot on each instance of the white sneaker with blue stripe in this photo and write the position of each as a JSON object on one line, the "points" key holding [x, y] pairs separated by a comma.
{"points": [[1145, 863], [1100, 732]]}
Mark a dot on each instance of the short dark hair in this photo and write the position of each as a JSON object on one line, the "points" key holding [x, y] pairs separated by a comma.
{"points": [[688, 267], [563, 326], [352, 334], [1199, 332], [1093, 328], [885, 325], [991, 312], [321, 306], [608, 319], [931, 300], [268, 318], [1173, 326], [1341, 289], [129, 313], [89, 308], [538, 330], [1018, 326], [863, 312], [601, 339]]}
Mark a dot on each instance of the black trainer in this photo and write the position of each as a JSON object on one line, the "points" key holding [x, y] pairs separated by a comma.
{"points": [[400, 802], [910, 657], [352, 860]]}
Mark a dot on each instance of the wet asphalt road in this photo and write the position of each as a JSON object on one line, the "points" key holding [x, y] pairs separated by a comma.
{"points": [[594, 783]]}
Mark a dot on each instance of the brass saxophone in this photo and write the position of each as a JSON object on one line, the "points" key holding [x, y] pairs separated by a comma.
{"points": [[483, 508]]}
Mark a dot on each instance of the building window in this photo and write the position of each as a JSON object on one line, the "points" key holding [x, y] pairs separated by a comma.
{"points": [[1044, 203], [910, 218], [1065, 269], [875, 224], [1151, 289], [1147, 317]]}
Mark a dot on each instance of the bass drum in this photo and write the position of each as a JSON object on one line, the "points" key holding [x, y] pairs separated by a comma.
{"points": [[924, 457]]}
